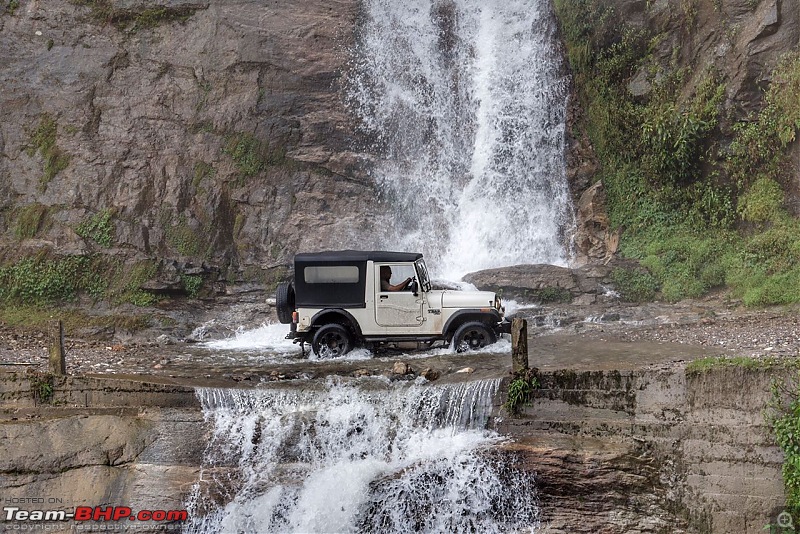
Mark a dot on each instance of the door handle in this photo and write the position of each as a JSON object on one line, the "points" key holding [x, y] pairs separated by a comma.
{"points": [[383, 297]]}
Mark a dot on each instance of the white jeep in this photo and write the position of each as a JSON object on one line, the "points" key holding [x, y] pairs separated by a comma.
{"points": [[343, 299]]}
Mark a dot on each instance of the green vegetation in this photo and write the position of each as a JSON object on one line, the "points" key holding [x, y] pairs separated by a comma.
{"points": [[29, 219], [185, 239], [783, 415], [697, 215], [12, 6], [192, 283], [99, 228], [41, 386], [635, 285], [251, 155], [43, 141], [150, 18], [553, 294], [132, 21], [520, 390], [127, 282], [704, 365], [37, 280], [38, 318], [202, 170], [44, 281], [247, 152]]}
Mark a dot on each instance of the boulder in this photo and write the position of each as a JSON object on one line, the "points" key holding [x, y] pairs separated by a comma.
{"points": [[430, 374], [401, 368], [582, 285], [530, 283]]}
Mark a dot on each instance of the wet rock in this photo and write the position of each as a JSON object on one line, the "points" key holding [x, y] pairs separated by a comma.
{"points": [[401, 368], [430, 374], [593, 240], [359, 373], [467, 370], [528, 283], [609, 317], [164, 339]]}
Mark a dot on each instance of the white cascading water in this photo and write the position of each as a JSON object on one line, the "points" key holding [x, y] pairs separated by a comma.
{"points": [[357, 456], [464, 104]]}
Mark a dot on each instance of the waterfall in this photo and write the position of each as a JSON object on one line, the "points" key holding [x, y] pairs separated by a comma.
{"points": [[463, 102], [357, 456]]}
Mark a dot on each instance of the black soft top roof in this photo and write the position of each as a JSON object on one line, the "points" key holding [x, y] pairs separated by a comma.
{"points": [[354, 256]]}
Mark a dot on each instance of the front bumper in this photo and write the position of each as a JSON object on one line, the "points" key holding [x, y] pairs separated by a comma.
{"points": [[503, 327]]}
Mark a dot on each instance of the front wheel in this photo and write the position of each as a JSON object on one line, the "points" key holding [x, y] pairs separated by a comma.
{"points": [[331, 341], [472, 336]]}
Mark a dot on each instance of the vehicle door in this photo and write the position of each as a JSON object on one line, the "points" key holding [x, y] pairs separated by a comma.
{"points": [[397, 308]]}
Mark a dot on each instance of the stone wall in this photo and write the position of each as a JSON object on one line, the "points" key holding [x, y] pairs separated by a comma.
{"points": [[652, 451], [98, 442]]}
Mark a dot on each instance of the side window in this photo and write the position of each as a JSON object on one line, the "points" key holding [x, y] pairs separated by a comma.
{"points": [[392, 275], [333, 274]]}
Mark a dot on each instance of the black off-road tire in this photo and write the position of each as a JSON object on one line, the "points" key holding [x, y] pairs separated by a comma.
{"points": [[472, 336], [284, 302], [331, 341]]}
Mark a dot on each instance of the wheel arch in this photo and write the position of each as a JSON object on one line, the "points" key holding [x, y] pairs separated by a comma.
{"points": [[467, 316], [336, 315]]}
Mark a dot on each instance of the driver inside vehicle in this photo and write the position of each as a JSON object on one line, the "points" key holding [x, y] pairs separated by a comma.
{"points": [[386, 276]]}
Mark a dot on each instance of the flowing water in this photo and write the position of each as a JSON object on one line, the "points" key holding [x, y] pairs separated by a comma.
{"points": [[464, 103], [358, 456]]}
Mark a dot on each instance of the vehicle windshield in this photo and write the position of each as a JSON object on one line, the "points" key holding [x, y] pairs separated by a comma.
{"points": [[422, 272]]}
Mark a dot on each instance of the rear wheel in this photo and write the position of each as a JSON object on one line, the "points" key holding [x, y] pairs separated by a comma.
{"points": [[331, 341], [284, 302], [472, 336]]}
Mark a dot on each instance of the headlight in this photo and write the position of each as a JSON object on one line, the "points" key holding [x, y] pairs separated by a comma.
{"points": [[498, 305]]}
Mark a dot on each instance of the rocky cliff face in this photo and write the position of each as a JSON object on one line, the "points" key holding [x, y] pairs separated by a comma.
{"points": [[738, 41], [202, 131], [209, 132]]}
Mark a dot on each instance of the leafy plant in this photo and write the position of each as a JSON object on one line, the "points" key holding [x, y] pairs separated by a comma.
{"points": [[41, 386], [251, 155], [247, 153], [759, 147], [763, 202], [520, 390], [43, 142], [635, 285], [99, 228], [553, 294], [192, 284], [783, 415], [696, 216], [185, 239]]}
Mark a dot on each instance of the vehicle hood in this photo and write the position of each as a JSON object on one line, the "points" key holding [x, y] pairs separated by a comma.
{"points": [[465, 299]]}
